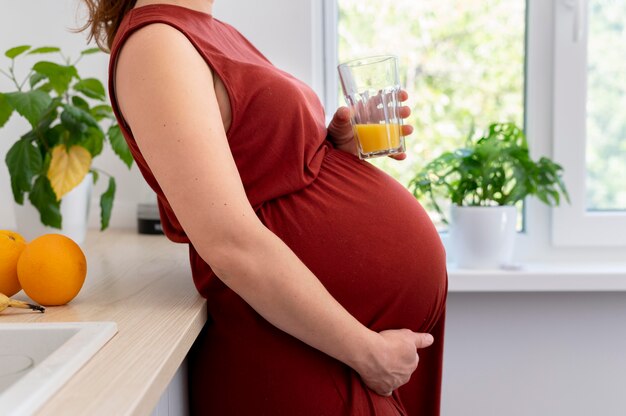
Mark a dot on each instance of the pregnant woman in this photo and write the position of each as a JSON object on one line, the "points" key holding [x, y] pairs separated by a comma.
{"points": [[324, 277]]}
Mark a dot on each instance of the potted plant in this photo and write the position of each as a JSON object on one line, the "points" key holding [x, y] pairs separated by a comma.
{"points": [[70, 121], [484, 181]]}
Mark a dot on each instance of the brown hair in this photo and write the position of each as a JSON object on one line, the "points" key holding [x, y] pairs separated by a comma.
{"points": [[104, 19]]}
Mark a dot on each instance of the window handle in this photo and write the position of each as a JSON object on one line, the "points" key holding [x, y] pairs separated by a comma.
{"points": [[578, 7]]}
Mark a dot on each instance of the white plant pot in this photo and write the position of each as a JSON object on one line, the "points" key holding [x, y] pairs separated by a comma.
{"points": [[74, 210], [483, 237]]}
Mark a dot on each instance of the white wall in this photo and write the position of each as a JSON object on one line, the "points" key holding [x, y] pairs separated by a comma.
{"points": [[285, 31], [287, 41], [539, 354], [46, 22]]}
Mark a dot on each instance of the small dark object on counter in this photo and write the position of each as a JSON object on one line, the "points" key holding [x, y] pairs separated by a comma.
{"points": [[148, 219]]}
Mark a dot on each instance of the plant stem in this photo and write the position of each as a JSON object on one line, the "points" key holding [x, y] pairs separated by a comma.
{"points": [[67, 61], [102, 171], [26, 79], [5, 74], [12, 72], [437, 207], [77, 60], [42, 140]]}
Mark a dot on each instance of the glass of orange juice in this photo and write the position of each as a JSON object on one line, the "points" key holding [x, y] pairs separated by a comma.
{"points": [[371, 87]]}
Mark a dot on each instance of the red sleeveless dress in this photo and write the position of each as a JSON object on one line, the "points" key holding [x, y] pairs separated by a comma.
{"points": [[357, 229]]}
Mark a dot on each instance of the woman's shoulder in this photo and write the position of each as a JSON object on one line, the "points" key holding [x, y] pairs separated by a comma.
{"points": [[156, 46], [207, 33], [188, 21]]}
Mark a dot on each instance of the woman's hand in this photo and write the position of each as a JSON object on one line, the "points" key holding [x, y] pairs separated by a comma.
{"points": [[393, 360], [341, 135]]}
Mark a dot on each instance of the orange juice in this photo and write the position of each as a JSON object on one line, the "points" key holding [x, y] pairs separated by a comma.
{"points": [[378, 137]]}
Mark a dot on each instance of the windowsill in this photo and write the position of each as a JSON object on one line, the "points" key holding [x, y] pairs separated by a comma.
{"points": [[541, 277]]}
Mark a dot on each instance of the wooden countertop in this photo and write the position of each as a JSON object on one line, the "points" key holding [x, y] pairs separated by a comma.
{"points": [[143, 283]]}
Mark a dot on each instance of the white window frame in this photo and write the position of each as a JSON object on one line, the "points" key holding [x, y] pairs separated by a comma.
{"points": [[572, 224], [330, 54]]}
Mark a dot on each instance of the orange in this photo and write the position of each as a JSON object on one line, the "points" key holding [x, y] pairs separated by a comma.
{"points": [[52, 269], [11, 246]]}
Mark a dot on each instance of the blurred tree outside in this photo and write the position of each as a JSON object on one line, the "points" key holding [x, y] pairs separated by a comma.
{"points": [[462, 62], [606, 118]]}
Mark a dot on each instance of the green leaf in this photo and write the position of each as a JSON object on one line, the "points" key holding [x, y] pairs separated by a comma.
{"points": [[24, 162], [95, 175], [77, 121], [18, 50], [47, 87], [94, 141], [90, 51], [91, 87], [43, 198], [81, 115], [106, 204], [119, 145], [31, 104], [59, 76], [70, 119], [35, 79], [53, 136], [46, 162], [49, 116], [80, 102], [5, 110], [102, 111], [45, 49]]}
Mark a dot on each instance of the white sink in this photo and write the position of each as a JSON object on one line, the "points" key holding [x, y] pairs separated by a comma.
{"points": [[36, 359]]}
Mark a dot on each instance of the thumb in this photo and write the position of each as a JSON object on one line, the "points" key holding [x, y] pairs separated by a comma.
{"points": [[423, 340], [340, 119]]}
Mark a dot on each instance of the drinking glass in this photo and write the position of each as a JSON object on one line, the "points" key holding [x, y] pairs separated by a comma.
{"points": [[371, 87]]}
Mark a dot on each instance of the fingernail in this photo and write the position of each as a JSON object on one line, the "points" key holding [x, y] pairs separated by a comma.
{"points": [[430, 338]]}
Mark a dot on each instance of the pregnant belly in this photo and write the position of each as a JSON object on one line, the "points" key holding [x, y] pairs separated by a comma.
{"points": [[369, 242]]}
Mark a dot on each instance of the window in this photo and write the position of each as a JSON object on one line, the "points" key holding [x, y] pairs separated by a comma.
{"points": [[590, 121], [557, 67], [606, 100], [462, 61]]}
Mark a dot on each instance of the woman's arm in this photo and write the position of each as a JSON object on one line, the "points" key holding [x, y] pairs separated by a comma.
{"points": [[165, 91]]}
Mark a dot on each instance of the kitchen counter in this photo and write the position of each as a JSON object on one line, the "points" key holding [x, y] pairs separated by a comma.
{"points": [[143, 283]]}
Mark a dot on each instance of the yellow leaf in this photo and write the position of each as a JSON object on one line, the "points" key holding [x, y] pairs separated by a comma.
{"points": [[68, 168]]}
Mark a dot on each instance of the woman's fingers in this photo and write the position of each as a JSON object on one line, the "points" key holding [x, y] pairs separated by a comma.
{"points": [[423, 340], [339, 128], [374, 107], [398, 156], [341, 117], [340, 131], [406, 130], [393, 361]]}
